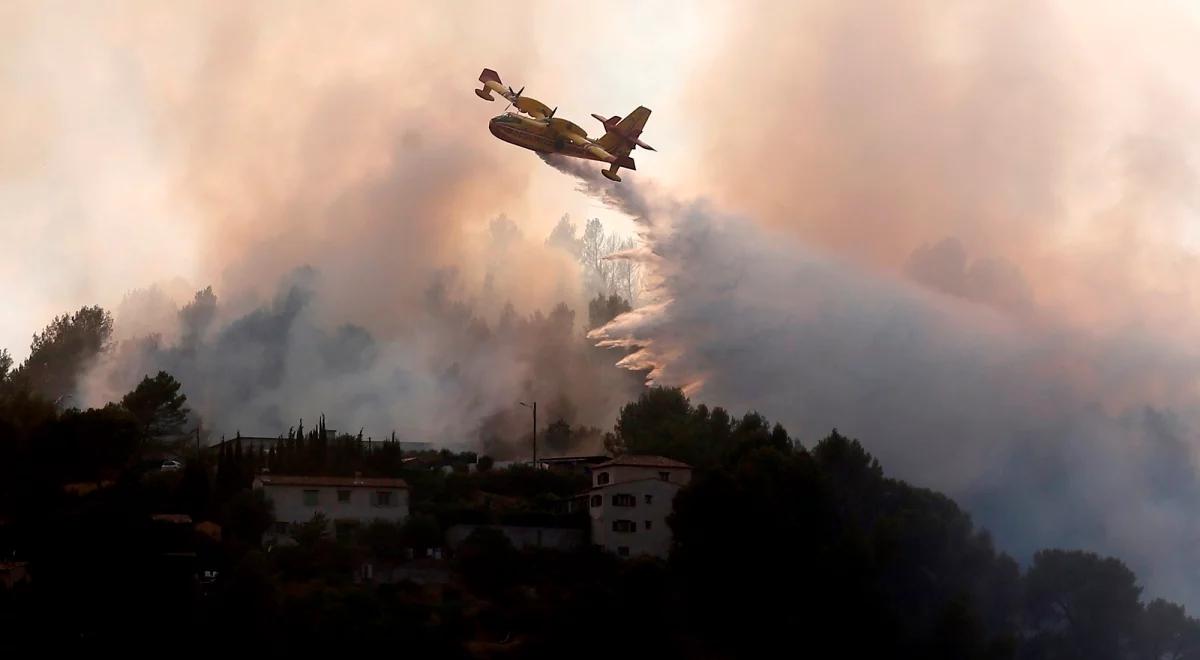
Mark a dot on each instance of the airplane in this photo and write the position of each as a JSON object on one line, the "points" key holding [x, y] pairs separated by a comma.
{"points": [[541, 131]]}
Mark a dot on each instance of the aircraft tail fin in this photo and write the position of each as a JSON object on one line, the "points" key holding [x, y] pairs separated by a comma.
{"points": [[621, 135], [489, 75]]}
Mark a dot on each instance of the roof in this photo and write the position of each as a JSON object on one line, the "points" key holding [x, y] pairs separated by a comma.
{"points": [[331, 482], [645, 460], [600, 458]]}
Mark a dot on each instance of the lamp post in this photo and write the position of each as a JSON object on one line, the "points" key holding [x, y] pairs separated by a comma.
{"points": [[533, 406]]}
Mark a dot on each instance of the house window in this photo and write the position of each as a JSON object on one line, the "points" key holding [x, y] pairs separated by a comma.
{"points": [[310, 497], [624, 526], [597, 500], [649, 499], [383, 498], [665, 476], [648, 523], [602, 478], [343, 497], [623, 550], [624, 499]]}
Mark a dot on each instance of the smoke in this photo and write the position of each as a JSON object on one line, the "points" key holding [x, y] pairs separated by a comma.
{"points": [[627, 199], [453, 378], [1050, 437], [373, 253], [965, 235]]}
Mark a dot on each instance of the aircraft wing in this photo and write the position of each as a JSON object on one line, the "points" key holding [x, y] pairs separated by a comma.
{"points": [[491, 83], [532, 107], [566, 128]]}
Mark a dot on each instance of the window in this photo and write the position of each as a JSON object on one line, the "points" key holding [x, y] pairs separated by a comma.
{"points": [[665, 476], [597, 500], [602, 478], [649, 499], [281, 528], [383, 498], [623, 551], [310, 497], [343, 497], [648, 524], [624, 499], [624, 526]]}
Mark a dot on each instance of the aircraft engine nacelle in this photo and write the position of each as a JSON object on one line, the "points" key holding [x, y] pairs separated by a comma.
{"points": [[601, 154]]}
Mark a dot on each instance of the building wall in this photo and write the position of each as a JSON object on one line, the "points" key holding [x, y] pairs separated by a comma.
{"points": [[290, 506], [655, 540], [623, 473]]}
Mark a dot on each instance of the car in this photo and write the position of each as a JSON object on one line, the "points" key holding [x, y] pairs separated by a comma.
{"points": [[171, 465]]}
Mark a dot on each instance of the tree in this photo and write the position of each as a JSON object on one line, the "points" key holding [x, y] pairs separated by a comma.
{"points": [[603, 309], [59, 354], [196, 316], [488, 561], [1080, 605], [248, 515], [654, 424], [89, 444], [591, 256], [563, 237], [6, 363], [622, 275], [158, 405], [384, 539], [308, 534], [485, 463], [1168, 633]]}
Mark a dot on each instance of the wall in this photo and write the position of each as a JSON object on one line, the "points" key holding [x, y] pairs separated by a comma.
{"points": [[655, 541], [622, 473], [290, 506], [558, 538]]}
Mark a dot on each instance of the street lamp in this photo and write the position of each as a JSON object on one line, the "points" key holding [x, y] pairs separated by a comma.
{"points": [[533, 406]]}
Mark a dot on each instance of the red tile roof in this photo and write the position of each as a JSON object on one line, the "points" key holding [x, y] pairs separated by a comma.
{"points": [[331, 482], [643, 460]]}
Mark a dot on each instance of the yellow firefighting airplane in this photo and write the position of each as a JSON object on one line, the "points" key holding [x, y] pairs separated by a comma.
{"points": [[541, 131]]}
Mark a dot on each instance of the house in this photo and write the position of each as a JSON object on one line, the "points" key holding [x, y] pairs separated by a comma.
{"points": [[630, 499], [346, 502]]}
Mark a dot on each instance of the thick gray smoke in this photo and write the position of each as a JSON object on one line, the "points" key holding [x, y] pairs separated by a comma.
{"points": [[452, 378], [1046, 435]]}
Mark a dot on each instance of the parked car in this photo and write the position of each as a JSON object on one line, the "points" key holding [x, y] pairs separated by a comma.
{"points": [[171, 465]]}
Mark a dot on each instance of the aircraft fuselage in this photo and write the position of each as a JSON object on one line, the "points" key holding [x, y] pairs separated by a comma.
{"points": [[530, 135]]}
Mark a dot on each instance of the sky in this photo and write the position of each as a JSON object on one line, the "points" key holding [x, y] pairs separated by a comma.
{"points": [[965, 232]]}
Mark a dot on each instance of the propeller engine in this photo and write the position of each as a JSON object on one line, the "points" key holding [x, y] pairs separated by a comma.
{"points": [[513, 97]]}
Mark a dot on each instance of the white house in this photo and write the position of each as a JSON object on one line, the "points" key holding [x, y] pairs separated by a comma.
{"points": [[346, 501], [630, 499]]}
